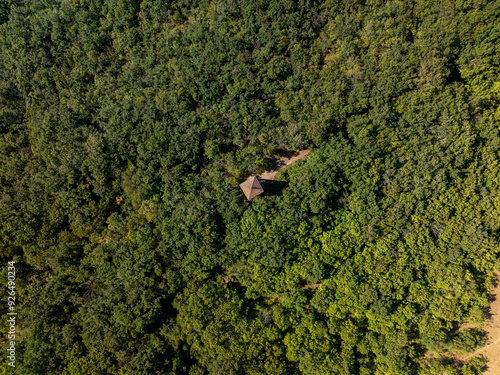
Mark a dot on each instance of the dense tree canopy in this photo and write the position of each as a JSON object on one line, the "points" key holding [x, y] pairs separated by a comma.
{"points": [[126, 127]]}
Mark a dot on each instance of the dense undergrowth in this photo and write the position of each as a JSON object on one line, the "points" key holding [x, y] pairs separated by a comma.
{"points": [[126, 127]]}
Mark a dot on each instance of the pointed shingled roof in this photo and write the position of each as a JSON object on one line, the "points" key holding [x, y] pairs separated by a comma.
{"points": [[251, 188]]}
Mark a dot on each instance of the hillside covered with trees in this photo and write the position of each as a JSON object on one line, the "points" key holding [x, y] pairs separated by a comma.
{"points": [[126, 127]]}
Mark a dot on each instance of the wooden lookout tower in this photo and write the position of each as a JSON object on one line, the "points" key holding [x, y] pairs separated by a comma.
{"points": [[251, 188]]}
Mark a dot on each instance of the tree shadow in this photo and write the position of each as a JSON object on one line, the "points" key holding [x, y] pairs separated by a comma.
{"points": [[273, 187], [287, 153], [492, 297], [274, 165]]}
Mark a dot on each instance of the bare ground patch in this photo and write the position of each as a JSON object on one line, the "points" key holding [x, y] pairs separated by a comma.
{"points": [[492, 348]]}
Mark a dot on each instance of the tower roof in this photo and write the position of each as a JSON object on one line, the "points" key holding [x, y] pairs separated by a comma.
{"points": [[251, 188]]}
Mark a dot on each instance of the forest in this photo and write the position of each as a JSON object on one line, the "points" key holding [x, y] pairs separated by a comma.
{"points": [[127, 126]]}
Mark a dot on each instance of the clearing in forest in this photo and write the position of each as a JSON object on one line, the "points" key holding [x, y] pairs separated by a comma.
{"points": [[277, 165]]}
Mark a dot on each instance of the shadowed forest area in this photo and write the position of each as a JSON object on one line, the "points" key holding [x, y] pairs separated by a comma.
{"points": [[126, 127]]}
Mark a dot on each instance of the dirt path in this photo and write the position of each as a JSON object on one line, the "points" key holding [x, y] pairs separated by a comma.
{"points": [[281, 163]]}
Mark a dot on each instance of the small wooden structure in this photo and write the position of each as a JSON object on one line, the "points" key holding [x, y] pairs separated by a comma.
{"points": [[251, 188]]}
